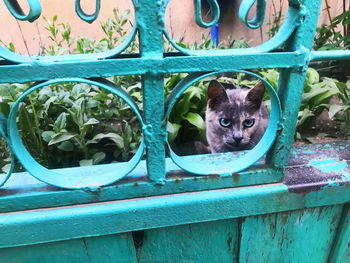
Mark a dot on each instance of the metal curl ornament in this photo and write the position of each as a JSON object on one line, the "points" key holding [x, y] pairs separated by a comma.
{"points": [[86, 17], [214, 12], [16, 10], [259, 17]]}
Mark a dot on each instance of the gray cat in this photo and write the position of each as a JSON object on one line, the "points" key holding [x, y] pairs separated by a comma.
{"points": [[236, 119]]}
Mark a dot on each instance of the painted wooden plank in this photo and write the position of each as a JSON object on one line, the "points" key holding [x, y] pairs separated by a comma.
{"points": [[57, 252], [113, 248], [201, 242], [299, 236], [69, 222], [341, 248]]}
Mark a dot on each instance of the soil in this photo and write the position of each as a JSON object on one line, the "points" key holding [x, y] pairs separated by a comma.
{"points": [[323, 129]]}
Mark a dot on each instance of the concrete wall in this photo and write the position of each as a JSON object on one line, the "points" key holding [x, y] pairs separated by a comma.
{"points": [[179, 21]]}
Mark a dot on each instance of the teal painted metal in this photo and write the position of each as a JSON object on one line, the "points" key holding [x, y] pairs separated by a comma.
{"points": [[171, 206], [16, 10], [214, 12], [259, 17], [152, 63], [83, 15]]}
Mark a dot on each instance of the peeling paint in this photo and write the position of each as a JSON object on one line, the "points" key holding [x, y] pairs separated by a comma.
{"points": [[328, 166]]}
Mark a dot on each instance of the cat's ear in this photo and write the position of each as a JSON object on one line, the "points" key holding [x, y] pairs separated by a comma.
{"points": [[216, 94], [255, 96]]}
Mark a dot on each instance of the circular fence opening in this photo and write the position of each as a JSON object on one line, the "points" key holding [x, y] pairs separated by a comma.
{"points": [[90, 123], [221, 123]]}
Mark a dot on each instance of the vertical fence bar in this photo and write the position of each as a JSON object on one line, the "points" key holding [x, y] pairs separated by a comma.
{"points": [[291, 83], [149, 16]]}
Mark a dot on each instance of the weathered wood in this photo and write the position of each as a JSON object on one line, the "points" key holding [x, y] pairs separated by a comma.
{"points": [[341, 249], [299, 236], [202, 242], [113, 248]]}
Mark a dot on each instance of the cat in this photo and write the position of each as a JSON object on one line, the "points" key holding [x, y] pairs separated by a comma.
{"points": [[236, 119]]}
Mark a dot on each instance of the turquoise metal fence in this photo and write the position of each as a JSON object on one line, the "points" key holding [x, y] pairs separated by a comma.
{"points": [[296, 34], [290, 50]]}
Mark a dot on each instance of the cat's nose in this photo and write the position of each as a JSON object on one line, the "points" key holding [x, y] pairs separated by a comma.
{"points": [[238, 139]]}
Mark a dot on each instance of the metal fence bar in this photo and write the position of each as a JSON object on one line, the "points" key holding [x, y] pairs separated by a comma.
{"points": [[291, 84], [150, 21]]}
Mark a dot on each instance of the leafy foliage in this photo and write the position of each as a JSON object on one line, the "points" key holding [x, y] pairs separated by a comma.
{"points": [[70, 124]]}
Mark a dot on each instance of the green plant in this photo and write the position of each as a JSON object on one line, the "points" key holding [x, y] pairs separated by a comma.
{"points": [[315, 99], [275, 19], [329, 37], [113, 28], [5, 158], [70, 124], [341, 111], [334, 36]]}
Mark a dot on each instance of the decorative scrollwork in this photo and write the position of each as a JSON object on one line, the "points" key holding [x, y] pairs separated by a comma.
{"points": [[214, 12], [85, 17], [293, 18], [225, 163], [259, 17], [16, 10], [74, 178]]}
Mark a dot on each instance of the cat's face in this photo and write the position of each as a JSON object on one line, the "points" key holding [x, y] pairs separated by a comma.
{"points": [[233, 117]]}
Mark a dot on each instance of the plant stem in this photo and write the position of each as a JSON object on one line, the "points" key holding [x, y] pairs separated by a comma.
{"points": [[24, 40], [329, 16], [36, 121]]}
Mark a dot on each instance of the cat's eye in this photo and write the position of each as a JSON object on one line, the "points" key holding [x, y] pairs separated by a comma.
{"points": [[248, 123], [225, 122]]}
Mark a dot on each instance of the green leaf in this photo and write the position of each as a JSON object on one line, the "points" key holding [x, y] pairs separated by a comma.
{"points": [[60, 122], [61, 137], [85, 162], [195, 119], [91, 121], [66, 146], [312, 76], [173, 130], [47, 135], [334, 109], [116, 138], [6, 168], [98, 157]]}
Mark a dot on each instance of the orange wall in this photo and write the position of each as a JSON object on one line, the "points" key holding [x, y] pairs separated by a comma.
{"points": [[179, 21]]}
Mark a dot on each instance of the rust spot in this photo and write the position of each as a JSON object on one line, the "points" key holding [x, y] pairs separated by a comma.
{"points": [[136, 184], [195, 179], [236, 178], [177, 181], [214, 175]]}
